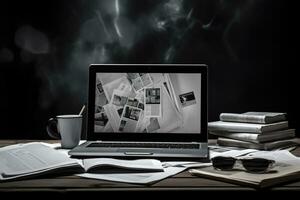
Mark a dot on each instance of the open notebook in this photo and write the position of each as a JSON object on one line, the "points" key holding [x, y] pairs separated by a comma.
{"points": [[36, 159]]}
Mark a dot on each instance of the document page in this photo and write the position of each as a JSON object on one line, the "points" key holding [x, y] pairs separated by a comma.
{"points": [[143, 165], [136, 178], [169, 169], [24, 159], [286, 168]]}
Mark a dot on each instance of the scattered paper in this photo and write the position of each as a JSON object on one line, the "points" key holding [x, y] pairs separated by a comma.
{"points": [[187, 99], [285, 169], [136, 178], [153, 102], [135, 102], [170, 169]]}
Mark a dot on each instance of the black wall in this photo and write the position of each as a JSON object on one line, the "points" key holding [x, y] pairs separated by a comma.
{"points": [[47, 46]]}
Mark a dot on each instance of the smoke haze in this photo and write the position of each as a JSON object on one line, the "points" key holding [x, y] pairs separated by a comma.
{"points": [[52, 44]]}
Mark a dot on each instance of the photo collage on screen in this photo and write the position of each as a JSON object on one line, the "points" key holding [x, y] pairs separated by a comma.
{"points": [[136, 103]]}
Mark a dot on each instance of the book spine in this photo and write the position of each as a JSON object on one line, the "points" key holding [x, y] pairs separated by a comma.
{"points": [[278, 126], [247, 137], [264, 138], [257, 138], [232, 117], [228, 127], [240, 144]]}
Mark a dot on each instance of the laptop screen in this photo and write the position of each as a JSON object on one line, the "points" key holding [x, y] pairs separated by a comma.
{"points": [[147, 103]]}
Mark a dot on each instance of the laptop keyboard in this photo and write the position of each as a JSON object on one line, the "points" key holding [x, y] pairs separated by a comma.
{"points": [[144, 145]]}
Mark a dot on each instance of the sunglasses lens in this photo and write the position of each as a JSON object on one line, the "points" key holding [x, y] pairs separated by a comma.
{"points": [[223, 163], [256, 164]]}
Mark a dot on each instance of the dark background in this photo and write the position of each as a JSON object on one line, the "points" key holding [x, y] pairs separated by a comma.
{"points": [[47, 46]]}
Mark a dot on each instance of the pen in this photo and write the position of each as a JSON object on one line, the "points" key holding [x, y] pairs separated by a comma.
{"points": [[82, 109]]}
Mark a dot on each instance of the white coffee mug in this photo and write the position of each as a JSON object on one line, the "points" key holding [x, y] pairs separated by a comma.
{"points": [[67, 128]]}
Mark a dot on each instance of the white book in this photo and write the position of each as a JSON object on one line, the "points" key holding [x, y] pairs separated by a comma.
{"points": [[253, 117], [246, 127], [257, 138]]}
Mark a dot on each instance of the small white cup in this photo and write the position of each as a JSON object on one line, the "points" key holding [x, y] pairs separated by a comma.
{"points": [[66, 127]]}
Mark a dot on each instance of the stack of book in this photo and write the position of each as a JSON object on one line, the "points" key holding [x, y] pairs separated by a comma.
{"points": [[254, 130]]}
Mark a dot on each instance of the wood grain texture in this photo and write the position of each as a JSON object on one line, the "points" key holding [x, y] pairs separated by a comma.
{"points": [[180, 182]]}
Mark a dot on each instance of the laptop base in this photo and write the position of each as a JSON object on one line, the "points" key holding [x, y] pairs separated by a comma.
{"points": [[89, 150]]}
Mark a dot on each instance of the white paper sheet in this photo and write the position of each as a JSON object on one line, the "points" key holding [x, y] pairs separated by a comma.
{"points": [[232, 153], [170, 169], [138, 165], [136, 178]]}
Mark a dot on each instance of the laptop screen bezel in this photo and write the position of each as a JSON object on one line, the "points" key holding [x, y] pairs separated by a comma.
{"points": [[147, 68]]}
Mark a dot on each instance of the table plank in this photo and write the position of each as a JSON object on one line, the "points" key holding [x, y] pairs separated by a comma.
{"points": [[181, 182], [64, 183]]}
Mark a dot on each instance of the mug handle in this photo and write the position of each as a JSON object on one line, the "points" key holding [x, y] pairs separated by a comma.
{"points": [[52, 128]]}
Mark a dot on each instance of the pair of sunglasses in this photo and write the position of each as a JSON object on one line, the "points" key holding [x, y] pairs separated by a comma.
{"points": [[253, 165]]}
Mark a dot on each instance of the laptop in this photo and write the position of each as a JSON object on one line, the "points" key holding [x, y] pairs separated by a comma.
{"points": [[146, 110]]}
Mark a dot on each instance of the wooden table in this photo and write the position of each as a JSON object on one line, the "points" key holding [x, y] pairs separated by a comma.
{"points": [[180, 182]]}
